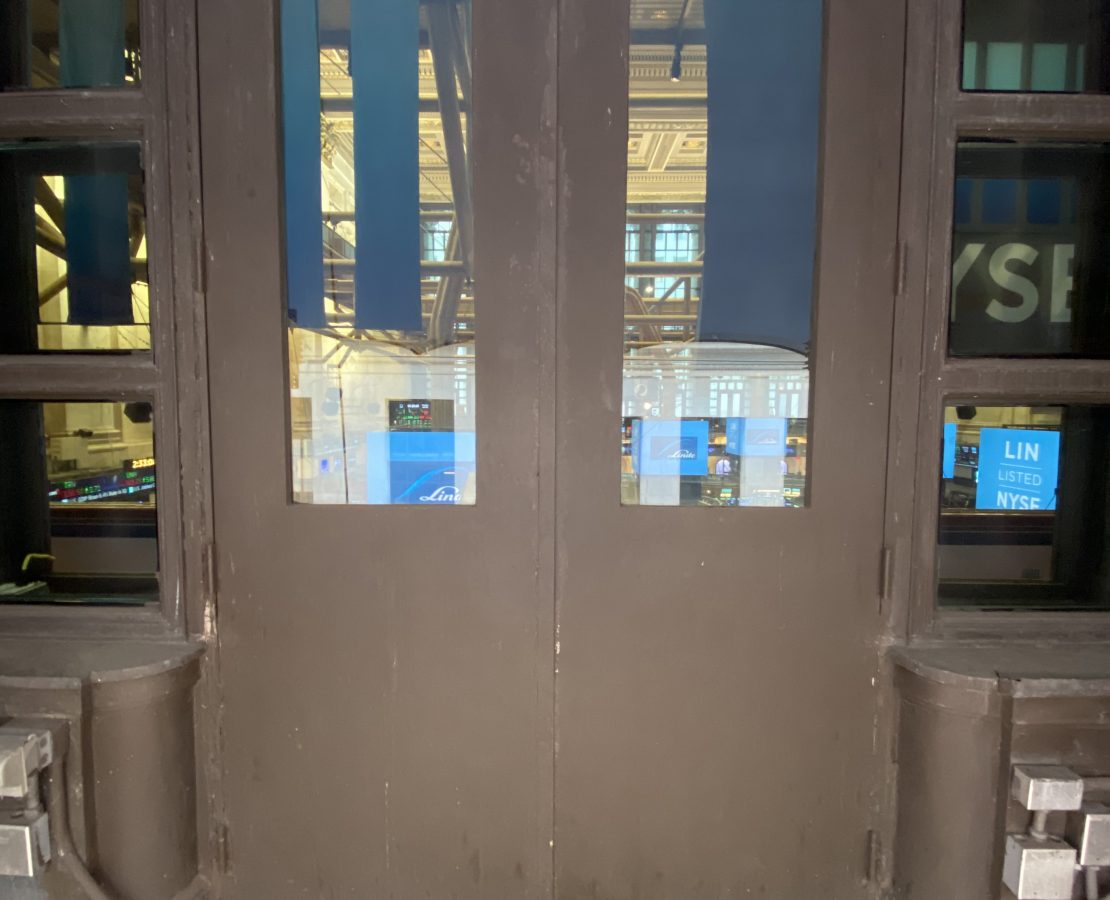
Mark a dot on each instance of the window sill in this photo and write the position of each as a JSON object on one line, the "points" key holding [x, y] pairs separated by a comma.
{"points": [[86, 622], [1042, 670]]}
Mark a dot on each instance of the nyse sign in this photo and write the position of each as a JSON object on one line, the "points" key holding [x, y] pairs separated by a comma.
{"points": [[1018, 469], [1012, 295]]}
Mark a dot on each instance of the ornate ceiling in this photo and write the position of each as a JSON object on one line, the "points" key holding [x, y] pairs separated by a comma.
{"points": [[667, 121]]}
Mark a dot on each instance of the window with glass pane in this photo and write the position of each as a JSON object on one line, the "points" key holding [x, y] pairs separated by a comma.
{"points": [[1058, 46], [73, 247], [1024, 497], [719, 252], [1031, 235], [379, 250], [69, 44], [78, 521]]}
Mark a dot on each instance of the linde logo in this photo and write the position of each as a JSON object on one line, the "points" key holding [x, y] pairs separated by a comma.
{"points": [[445, 494], [1004, 269], [674, 448], [764, 437]]}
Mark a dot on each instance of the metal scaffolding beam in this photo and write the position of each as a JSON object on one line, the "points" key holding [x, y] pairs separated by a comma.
{"points": [[632, 269], [439, 28], [633, 218], [343, 106]]}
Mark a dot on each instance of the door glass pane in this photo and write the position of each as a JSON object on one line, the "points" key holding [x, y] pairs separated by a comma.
{"points": [[379, 251], [719, 252], [78, 518], [1057, 46], [1023, 507], [1031, 250], [73, 248], [69, 43]]}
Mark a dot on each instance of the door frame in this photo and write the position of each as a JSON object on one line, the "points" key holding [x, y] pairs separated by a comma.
{"points": [[532, 156]]}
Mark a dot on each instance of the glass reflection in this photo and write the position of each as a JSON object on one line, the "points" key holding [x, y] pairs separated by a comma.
{"points": [[382, 311], [69, 44], [1053, 46], [1023, 506], [78, 518], [719, 248], [73, 245], [1030, 238], [714, 425]]}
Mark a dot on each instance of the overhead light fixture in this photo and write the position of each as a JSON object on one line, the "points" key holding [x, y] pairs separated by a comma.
{"points": [[676, 64]]}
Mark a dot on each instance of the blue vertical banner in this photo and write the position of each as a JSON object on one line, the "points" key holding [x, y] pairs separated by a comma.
{"points": [[1018, 469], [734, 436], [764, 74], [636, 443], [300, 105], [98, 251], [948, 459], [385, 43]]}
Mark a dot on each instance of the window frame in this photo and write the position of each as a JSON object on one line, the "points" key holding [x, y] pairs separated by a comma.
{"points": [[161, 115], [938, 114]]}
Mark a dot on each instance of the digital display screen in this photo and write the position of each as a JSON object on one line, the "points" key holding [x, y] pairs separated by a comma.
{"points": [[967, 455], [421, 415], [422, 459], [124, 484]]}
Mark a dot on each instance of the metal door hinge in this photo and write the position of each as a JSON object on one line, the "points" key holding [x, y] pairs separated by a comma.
{"points": [[208, 587], [901, 254], [886, 576], [220, 848], [200, 268], [208, 573], [874, 857]]}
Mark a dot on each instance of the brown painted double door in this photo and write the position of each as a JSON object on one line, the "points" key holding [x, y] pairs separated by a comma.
{"points": [[549, 694]]}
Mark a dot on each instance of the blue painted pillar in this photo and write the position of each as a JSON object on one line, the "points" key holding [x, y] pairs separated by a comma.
{"points": [[91, 42]]}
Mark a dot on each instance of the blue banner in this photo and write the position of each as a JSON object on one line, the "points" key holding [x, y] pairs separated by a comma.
{"points": [[756, 437], [948, 457], [764, 73], [673, 447], [429, 467], [636, 443], [304, 228], [1018, 469], [385, 43]]}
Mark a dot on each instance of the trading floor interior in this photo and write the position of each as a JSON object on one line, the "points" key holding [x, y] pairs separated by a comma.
{"points": [[486, 449]]}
